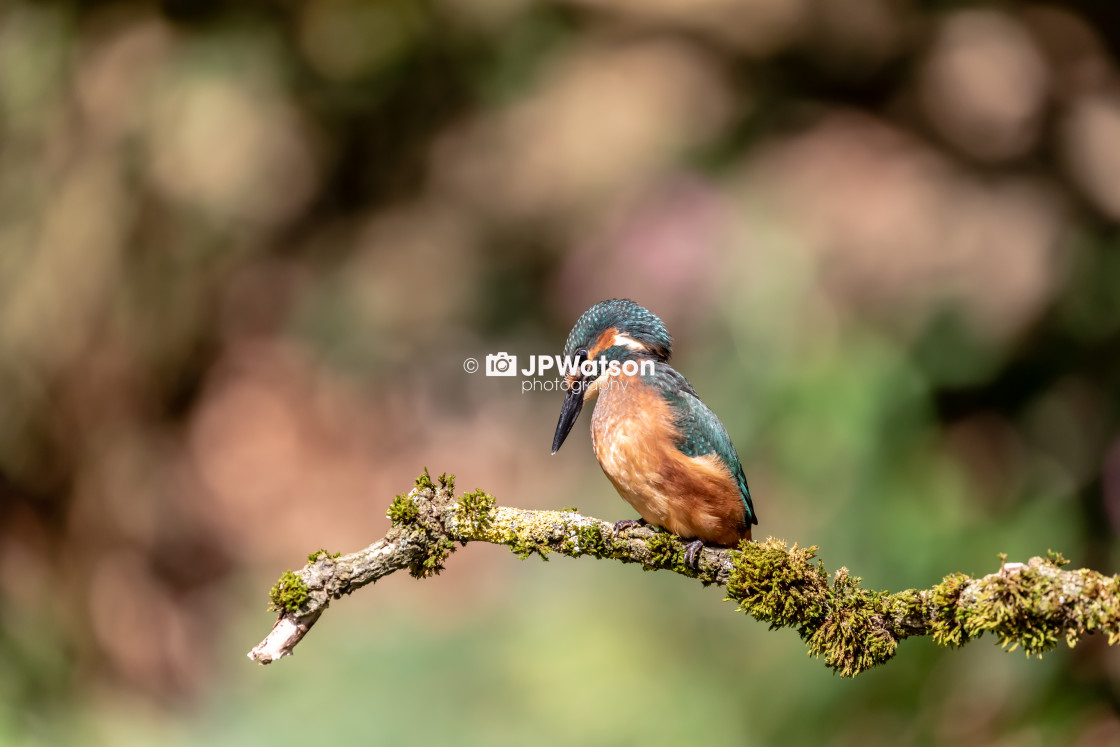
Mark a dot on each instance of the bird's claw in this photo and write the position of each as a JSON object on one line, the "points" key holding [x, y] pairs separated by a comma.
{"points": [[627, 523], [692, 554]]}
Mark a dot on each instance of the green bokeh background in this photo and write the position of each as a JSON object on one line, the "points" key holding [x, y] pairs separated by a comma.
{"points": [[246, 247]]}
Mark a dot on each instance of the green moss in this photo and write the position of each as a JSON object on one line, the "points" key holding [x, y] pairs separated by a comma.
{"points": [[850, 640], [322, 554], [852, 635], [475, 510], [1018, 608], [289, 593], [776, 585], [523, 547], [403, 511], [665, 551], [1031, 606], [591, 539], [585, 540], [948, 627], [447, 482], [439, 548], [839, 621], [1056, 559], [569, 510]]}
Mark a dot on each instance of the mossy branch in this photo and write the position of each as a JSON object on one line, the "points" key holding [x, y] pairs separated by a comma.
{"points": [[1031, 605]]}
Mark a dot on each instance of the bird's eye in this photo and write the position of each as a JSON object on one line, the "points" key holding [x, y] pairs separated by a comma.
{"points": [[581, 354]]}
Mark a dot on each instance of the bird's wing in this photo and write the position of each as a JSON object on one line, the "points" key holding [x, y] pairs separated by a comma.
{"points": [[701, 432]]}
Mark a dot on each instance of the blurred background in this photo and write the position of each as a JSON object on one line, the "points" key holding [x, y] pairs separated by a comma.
{"points": [[245, 248]]}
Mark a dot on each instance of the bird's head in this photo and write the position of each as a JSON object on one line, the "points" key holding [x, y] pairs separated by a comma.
{"points": [[615, 330]]}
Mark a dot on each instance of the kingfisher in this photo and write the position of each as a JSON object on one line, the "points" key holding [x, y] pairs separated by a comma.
{"points": [[663, 449]]}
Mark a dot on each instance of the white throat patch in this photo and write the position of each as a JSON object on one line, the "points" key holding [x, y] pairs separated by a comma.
{"points": [[626, 340]]}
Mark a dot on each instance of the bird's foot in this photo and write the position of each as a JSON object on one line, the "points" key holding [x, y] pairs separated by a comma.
{"points": [[627, 523], [692, 554]]}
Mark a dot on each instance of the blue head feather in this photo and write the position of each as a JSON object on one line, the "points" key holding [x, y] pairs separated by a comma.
{"points": [[629, 318]]}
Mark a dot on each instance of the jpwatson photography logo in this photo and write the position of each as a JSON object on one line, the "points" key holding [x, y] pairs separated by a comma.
{"points": [[504, 364]]}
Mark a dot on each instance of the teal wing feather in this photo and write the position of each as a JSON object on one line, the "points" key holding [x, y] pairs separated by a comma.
{"points": [[701, 432]]}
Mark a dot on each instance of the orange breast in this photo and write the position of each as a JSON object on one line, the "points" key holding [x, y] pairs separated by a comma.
{"points": [[634, 438]]}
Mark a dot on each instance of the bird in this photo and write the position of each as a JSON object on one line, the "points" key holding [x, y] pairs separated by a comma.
{"points": [[663, 449]]}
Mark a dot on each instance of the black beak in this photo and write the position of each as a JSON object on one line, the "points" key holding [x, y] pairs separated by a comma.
{"points": [[573, 403]]}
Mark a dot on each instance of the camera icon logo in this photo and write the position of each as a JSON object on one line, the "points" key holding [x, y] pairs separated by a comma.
{"points": [[501, 364]]}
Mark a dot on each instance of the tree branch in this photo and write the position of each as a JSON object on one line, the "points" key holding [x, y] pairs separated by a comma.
{"points": [[1033, 604]]}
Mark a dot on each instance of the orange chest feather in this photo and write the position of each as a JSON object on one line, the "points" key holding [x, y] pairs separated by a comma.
{"points": [[634, 436], [632, 433]]}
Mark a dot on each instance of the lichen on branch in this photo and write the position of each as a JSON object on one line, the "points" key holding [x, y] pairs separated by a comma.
{"points": [[1031, 605]]}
